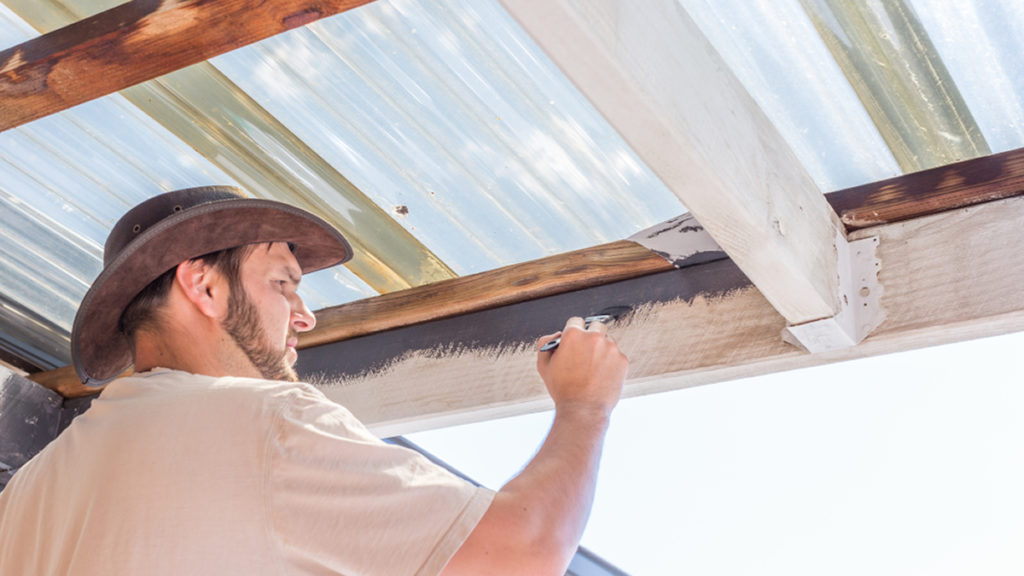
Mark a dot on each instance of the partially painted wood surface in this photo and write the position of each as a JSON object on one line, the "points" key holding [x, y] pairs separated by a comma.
{"points": [[508, 285], [516, 327], [948, 277], [135, 42]]}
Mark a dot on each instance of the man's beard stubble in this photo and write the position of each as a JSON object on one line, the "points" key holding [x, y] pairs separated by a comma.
{"points": [[243, 325]]}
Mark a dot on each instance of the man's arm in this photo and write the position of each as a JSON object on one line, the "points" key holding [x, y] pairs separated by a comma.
{"points": [[535, 522]]}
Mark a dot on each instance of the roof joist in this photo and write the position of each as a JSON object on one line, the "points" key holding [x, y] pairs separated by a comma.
{"points": [[654, 76], [134, 42]]}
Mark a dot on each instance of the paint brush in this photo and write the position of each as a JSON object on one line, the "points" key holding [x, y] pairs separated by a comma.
{"points": [[612, 313]]}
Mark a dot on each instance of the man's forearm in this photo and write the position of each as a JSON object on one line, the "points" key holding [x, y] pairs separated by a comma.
{"points": [[536, 520]]}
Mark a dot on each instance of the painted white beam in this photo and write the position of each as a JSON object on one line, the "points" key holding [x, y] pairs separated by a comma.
{"points": [[948, 277], [655, 77]]}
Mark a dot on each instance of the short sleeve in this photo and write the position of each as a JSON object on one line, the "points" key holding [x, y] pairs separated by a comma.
{"points": [[339, 500]]}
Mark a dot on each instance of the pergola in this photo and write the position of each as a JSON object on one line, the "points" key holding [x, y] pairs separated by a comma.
{"points": [[765, 274]]}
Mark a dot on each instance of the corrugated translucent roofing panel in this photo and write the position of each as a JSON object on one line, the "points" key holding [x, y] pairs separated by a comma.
{"points": [[449, 117], [64, 181], [981, 44], [774, 50]]}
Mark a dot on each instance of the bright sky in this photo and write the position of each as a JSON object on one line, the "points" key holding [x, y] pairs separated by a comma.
{"points": [[902, 464]]}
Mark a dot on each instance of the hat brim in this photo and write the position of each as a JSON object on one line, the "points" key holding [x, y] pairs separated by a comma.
{"points": [[100, 351]]}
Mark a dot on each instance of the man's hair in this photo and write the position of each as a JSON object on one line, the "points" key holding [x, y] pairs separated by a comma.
{"points": [[143, 311]]}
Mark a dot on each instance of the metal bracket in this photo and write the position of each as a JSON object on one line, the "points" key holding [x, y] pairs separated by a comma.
{"points": [[860, 309]]}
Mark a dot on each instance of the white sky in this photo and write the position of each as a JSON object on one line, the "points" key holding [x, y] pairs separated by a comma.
{"points": [[894, 465]]}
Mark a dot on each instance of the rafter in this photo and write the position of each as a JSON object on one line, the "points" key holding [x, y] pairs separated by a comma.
{"points": [[655, 77], [135, 42], [931, 191]]}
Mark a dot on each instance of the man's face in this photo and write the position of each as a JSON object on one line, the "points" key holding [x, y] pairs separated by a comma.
{"points": [[266, 315]]}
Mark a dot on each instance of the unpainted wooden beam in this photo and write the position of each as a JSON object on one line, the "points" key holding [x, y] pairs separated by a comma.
{"points": [[657, 80], [135, 42]]}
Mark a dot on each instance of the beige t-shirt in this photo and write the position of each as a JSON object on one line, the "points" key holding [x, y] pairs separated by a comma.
{"points": [[173, 473]]}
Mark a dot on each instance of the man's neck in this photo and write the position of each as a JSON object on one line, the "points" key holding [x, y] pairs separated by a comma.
{"points": [[206, 350]]}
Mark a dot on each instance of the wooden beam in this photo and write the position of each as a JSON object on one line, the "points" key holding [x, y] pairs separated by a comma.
{"points": [[135, 42], [63, 381], [515, 327], [947, 277], [655, 77], [931, 191], [508, 285], [897, 199]]}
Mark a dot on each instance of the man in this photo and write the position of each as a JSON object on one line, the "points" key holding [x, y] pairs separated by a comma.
{"points": [[211, 459]]}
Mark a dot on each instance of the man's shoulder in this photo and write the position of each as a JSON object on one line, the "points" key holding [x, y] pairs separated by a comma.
{"points": [[169, 384]]}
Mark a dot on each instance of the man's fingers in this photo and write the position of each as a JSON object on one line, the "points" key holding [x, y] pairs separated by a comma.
{"points": [[545, 339], [597, 326], [574, 322]]}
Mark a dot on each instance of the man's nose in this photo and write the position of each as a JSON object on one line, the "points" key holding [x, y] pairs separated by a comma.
{"points": [[303, 319]]}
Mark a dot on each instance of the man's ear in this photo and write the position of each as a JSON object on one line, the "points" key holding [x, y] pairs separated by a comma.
{"points": [[203, 286]]}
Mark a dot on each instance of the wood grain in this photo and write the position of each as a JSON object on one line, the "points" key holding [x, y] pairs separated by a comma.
{"points": [[65, 382], [135, 42], [931, 191], [508, 285]]}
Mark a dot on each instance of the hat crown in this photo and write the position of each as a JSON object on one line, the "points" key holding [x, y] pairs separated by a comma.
{"points": [[159, 208]]}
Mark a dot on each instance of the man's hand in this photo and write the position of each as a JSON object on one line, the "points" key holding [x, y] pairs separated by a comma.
{"points": [[587, 369], [536, 520]]}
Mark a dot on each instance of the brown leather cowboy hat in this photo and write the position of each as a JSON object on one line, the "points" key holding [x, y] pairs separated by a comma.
{"points": [[169, 229]]}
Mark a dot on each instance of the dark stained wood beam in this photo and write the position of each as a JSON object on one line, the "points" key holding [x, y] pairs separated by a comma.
{"points": [[135, 42], [931, 191]]}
